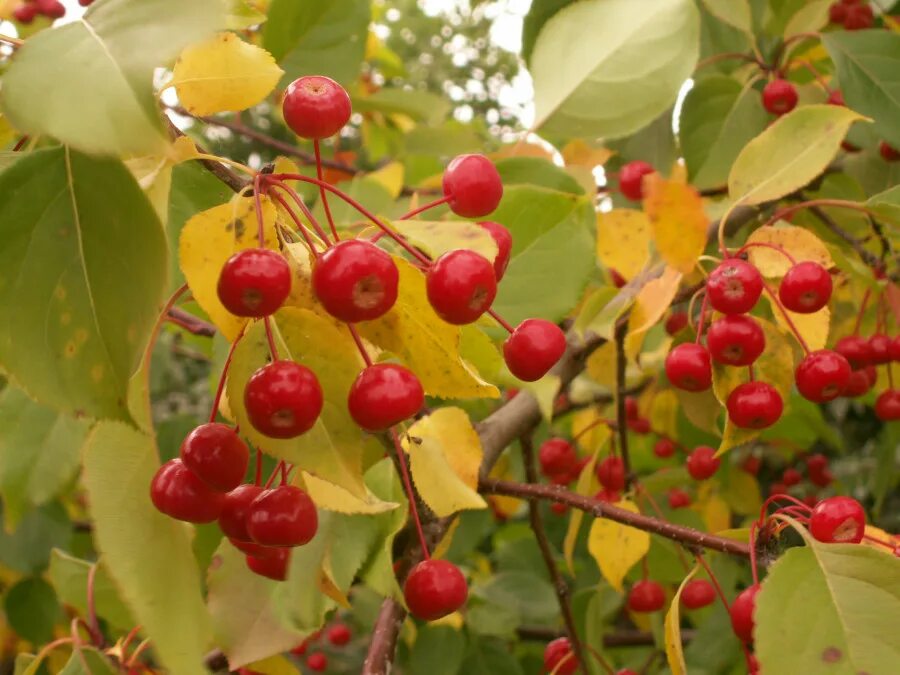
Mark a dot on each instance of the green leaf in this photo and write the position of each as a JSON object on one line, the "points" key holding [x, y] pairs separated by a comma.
{"points": [[867, 64], [422, 106], [27, 548], [490, 657], [148, 555], [438, 650], [83, 271], [831, 609], [538, 172], [736, 13], [100, 97], [538, 15], [32, 610], [791, 152], [583, 65], [88, 661], [811, 18], [38, 452], [531, 596], [69, 575], [378, 571], [887, 204]]}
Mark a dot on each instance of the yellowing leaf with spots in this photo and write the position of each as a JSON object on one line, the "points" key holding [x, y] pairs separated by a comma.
{"points": [[651, 303], [224, 73], [333, 497], [209, 239], [436, 237], [616, 547], [679, 223], [424, 342], [813, 328], [623, 241], [445, 456], [800, 243], [672, 630]]}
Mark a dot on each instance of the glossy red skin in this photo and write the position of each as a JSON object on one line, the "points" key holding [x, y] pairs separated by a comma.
{"points": [[702, 463], [533, 348], [434, 588], [791, 477], [317, 662], [273, 567], [631, 179], [855, 349], [233, 517], [504, 242], [754, 405], [611, 473], [676, 322], [257, 550], [461, 286], [51, 9], [282, 516], [25, 13], [557, 457], [697, 593], [178, 493], [887, 405], [473, 186], [688, 367], [859, 17], [664, 448], [315, 107], [806, 288], [742, 613], [559, 658], [338, 634], [894, 349], [383, 395], [355, 281], [779, 97], [822, 376], [857, 384], [283, 399], [879, 349], [254, 282], [888, 154], [216, 455], [678, 499], [838, 520], [734, 287], [646, 596], [735, 340]]}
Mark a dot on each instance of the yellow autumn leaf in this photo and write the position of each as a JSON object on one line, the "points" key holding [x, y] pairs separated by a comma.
{"points": [[664, 413], [799, 242], [223, 73], [436, 237], [651, 303], [586, 486], [601, 365], [623, 241], [672, 630], [590, 430], [813, 328], [545, 392], [879, 535], [209, 239], [333, 497], [679, 223], [715, 513], [445, 455], [579, 152], [616, 547], [390, 177], [274, 665], [505, 506]]}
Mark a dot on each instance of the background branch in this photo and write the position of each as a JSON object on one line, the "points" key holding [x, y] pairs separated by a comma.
{"points": [[621, 417]]}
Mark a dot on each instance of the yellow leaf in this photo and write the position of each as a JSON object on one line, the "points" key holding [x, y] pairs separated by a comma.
{"points": [[436, 237], [445, 455], [390, 176], [545, 392], [664, 413], [678, 220], [797, 241], [274, 665], [813, 328], [586, 485], [581, 153], [879, 535], [701, 408], [589, 427], [328, 585], [224, 73], [333, 497], [183, 149], [601, 365], [672, 630], [716, 514], [651, 303], [209, 239], [7, 133], [623, 241], [617, 548], [742, 493]]}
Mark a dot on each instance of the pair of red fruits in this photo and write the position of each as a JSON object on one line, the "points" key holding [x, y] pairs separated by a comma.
{"points": [[852, 14], [52, 9], [863, 355]]}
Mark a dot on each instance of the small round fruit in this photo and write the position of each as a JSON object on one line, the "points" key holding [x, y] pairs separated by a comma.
{"points": [[697, 593], [688, 367], [894, 349], [887, 405], [639, 425], [616, 279], [791, 477], [558, 509], [631, 179], [822, 478], [559, 658], [857, 384], [822, 375], [816, 462], [702, 463], [557, 457], [855, 349], [461, 286], [178, 493], [217, 455], [283, 399], [735, 340], [837, 12], [751, 464], [838, 520], [742, 613], [611, 473], [754, 405], [256, 550], [626, 671], [631, 408], [676, 322], [608, 496], [25, 13], [879, 349], [859, 17], [282, 516], [646, 596], [355, 281], [473, 186], [317, 662], [779, 97], [888, 154], [383, 395], [233, 517], [504, 241], [806, 288], [274, 566], [664, 447], [315, 107], [338, 634], [734, 287], [836, 97], [678, 499], [434, 588], [300, 649], [533, 348], [254, 282]]}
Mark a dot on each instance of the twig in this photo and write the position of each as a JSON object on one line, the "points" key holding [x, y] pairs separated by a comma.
{"points": [[15, 42], [867, 257], [621, 638], [191, 323], [621, 418], [220, 171]]}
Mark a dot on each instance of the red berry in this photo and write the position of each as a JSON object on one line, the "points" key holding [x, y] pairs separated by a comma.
{"points": [[178, 493], [857, 384], [317, 662], [646, 596], [688, 367], [777, 489], [816, 462], [631, 408], [473, 186], [734, 287], [355, 281], [461, 286], [821, 478], [631, 179], [254, 282], [754, 405], [315, 107], [751, 464], [216, 455], [806, 288], [779, 97], [879, 349], [557, 457], [822, 375], [611, 473], [25, 13], [697, 593], [855, 349], [338, 634], [702, 463], [85, 3], [52, 9], [664, 447], [282, 516], [894, 349], [859, 17], [742, 613], [559, 657], [283, 399], [639, 425], [888, 154], [504, 246], [384, 395], [678, 499], [626, 671], [533, 348], [300, 649], [887, 405], [608, 496], [838, 520], [735, 340], [616, 279], [233, 517], [434, 588], [559, 509], [835, 97], [256, 550], [273, 566], [837, 13], [676, 322], [791, 477]]}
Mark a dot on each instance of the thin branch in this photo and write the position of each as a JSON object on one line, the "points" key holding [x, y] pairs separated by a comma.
{"points": [[621, 418], [191, 323], [621, 638], [232, 179], [866, 256]]}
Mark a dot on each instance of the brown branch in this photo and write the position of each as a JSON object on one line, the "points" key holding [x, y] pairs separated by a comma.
{"points": [[621, 638], [866, 256], [191, 323], [219, 170], [621, 418]]}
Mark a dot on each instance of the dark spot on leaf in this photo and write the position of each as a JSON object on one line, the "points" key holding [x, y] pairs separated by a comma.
{"points": [[238, 226], [831, 655]]}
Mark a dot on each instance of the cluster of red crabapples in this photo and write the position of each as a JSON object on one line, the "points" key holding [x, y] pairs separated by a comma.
{"points": [[851, 14], [52, 9], [354, 281]]}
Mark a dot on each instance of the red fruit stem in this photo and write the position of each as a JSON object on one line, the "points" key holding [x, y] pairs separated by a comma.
{"points": [[257, 203], [424, 207], [728, 55], [774, 498], [284, 474], [876, 540], [359, 344], [20, 144], [879, 314], [659, 514], [410, 495], [840, 203], [712, 577], [304, 209], [702, 318], [764, 244], [862, 310], [129, 637], [815, 73], [754, 527], [499, 319], [787, 319], [603, 662], [93, 624], [322, 194], [257, 479], [221, 386], [270, 338], [309, 242], [275, 472], [794, 512]]}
